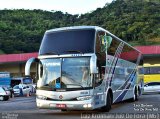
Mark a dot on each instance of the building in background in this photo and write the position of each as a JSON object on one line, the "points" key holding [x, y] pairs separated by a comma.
{"points": [[15, 63], [151, 63]]}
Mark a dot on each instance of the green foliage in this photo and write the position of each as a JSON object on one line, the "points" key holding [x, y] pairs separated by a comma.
{"points": [[1, 52], [135, 21]]}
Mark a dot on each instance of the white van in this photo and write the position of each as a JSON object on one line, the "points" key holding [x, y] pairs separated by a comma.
{"points": [[23, 80]]}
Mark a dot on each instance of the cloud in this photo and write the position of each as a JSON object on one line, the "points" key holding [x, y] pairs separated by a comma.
{"points": [[70, 6]]}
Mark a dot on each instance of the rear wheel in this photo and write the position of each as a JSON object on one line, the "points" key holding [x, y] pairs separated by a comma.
{"points": [[135, 95]]}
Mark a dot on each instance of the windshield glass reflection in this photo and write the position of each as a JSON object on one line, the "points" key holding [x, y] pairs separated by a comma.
{"points": [[65, 73]]}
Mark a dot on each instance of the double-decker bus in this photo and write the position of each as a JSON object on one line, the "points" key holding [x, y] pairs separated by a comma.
{"points": [[85, 68]]}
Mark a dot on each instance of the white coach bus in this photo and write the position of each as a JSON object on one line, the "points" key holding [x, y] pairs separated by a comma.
{"points": [[85, 68]]}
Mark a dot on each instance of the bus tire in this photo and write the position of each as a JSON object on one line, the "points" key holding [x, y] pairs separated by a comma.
{"points": [[139, 91], [135, 95], [108, 105]]}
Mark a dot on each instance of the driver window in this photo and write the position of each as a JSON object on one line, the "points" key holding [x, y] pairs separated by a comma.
{"points": [[101, 58]]}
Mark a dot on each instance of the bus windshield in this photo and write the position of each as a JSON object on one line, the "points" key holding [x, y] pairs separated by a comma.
{"points": [[66, 73], [60, 42]]}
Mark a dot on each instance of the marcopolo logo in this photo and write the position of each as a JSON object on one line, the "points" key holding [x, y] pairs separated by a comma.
{"points": [[60, 97], [52, 64]]}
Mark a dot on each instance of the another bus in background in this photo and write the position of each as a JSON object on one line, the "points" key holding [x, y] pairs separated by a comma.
{"points": [[151, 73]]}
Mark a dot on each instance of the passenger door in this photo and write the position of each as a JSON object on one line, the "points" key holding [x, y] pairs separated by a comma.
{"points": [[99, 84], [99, 92]]}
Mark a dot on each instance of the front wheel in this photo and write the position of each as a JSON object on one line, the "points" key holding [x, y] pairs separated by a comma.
{"points": [[108, 105]]}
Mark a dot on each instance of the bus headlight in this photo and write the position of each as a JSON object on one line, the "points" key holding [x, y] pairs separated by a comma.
{"points": [[41, 97], [84, 98]]}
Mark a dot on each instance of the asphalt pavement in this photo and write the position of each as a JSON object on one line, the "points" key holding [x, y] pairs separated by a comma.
{"points": [[147, 107]]}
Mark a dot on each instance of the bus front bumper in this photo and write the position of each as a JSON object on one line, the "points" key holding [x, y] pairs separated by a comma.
{"points": [[68, 105]]}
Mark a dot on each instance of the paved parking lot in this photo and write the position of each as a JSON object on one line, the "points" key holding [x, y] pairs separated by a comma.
{"points": [[147, 106], [18, 103]]}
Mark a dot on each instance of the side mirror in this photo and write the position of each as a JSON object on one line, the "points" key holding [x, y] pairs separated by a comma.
{"points": [[28, 65], [93, 64]]}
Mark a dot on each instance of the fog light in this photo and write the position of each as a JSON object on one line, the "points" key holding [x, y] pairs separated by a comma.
{"points": [[87, 105]]}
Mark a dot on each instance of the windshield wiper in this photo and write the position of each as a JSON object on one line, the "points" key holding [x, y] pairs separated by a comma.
{"points": [[75, 85], [51, 53], [74, 51]]}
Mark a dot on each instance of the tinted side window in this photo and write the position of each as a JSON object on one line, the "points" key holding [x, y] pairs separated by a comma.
{"points": [[146, 70], [141, 70], [153, 84], [156, 83], [152, 70], [113, 47], [155, 70], [128, 53]]}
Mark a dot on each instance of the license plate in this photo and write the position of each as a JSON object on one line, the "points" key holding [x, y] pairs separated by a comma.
{"points": [[61, 105]]}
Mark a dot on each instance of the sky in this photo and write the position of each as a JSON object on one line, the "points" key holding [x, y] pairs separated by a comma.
{"points": [[69, 6]]}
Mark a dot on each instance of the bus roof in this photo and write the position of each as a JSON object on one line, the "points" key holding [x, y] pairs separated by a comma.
{"points": [[74, 28]]}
